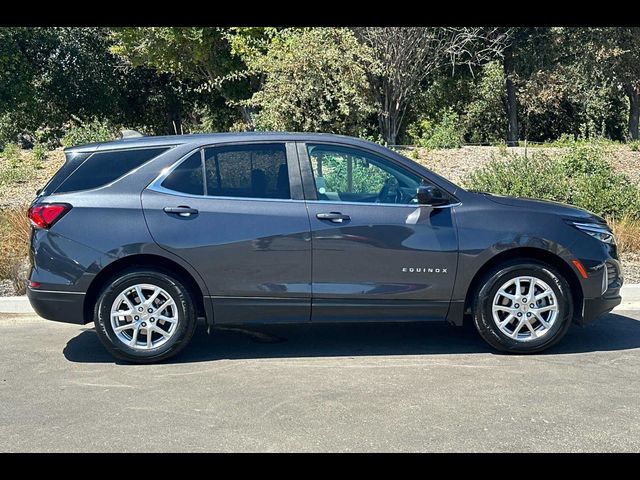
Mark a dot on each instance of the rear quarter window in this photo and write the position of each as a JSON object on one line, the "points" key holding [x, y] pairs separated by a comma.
{"points": [[102, 168]]}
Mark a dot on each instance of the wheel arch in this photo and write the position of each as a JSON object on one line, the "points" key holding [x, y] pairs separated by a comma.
{"points": [[537, 254], [149, 261]]}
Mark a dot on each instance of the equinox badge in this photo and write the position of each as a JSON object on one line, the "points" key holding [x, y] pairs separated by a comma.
{"points": [[423, 270]]}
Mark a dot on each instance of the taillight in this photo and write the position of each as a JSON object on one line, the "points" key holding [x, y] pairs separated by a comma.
{"points": [[45, 215]]}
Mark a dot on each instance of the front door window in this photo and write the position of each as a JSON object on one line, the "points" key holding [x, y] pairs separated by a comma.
{"points": [[351, 175]]}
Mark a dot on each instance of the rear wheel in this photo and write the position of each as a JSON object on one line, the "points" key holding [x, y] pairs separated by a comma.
{"points": [[145, 316], [523, 307]]}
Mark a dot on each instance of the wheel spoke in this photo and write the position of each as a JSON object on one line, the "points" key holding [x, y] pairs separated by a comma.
{"points": [[544, 309], [140, 294], [149, 335], [162, 332], [517, 329], [167, 319], [542, 320], [518, 287], [134, 337], [124, 298], [546, 293], [154, 295], [507, 295], [531, 329], [507, 320], [165, 305], [532, 287], [126, 326], [504, 308]]}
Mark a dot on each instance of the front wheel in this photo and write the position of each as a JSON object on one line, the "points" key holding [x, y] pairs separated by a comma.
{"points": [[144, 316], [523, 307]]}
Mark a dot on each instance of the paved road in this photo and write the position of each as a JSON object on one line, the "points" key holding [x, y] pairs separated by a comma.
{"points": [[321, 388]]}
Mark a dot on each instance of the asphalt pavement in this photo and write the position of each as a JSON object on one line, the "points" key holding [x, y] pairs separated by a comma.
{"points": [[376, 387]]}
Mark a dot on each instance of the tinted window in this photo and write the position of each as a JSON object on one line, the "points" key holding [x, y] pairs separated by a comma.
{"points": [[187, 177], [72, 162], [254, 171], [105, 167], [350, 175]]}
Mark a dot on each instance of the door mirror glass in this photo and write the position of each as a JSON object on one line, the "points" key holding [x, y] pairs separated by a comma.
{"points": [[430, 195]]}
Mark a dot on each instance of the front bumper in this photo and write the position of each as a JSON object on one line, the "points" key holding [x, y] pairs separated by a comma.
{"points": [[59, 306], [610, 279], [595, 307]]}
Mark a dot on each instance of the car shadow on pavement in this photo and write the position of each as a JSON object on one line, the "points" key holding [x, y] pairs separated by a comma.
{"points": [[613, 332]]}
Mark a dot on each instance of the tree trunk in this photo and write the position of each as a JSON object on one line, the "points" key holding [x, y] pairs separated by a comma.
{"points": [[633, 92], [512, 103], [174, 119], [246, 117]]}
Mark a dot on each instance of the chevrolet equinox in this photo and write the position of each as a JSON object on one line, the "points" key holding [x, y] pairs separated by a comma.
{"points": [[144, 236]]}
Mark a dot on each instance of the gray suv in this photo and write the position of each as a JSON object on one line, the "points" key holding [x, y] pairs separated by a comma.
{"points": [[144, 236]]}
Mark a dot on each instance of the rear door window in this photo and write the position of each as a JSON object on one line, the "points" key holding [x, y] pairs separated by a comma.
{"points": [[187, 177], [248, 171], [102, 168]]}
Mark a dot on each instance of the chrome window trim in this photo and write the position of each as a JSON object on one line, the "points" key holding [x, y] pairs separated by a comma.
{"points": [[156, 185], [381, 155], [410, 205], [167, 191]]}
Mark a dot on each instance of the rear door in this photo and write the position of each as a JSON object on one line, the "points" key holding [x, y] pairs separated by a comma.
{"points": [[377, 254], [237, 215]]}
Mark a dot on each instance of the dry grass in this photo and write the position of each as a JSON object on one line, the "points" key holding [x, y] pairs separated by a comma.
{"points": [[627, 232], [15, 232]]}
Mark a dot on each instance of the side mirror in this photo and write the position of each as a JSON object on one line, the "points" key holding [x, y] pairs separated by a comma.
{"points": [[430, 195]]}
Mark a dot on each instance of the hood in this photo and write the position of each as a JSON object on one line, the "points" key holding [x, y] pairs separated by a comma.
{"points": [[546, 206]]}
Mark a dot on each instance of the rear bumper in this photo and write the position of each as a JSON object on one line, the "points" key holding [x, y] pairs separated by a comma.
{"points": [[67, 307]]}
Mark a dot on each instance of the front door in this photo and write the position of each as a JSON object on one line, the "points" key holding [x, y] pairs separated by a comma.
{"points": [[377, 254], [236, 214]]}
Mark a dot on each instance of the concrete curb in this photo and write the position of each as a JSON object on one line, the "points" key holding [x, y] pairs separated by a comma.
{"points": [[631, 293], [15, 305], [20, 304]]}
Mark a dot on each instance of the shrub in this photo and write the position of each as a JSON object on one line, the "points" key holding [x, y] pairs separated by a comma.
{"points": [[627, 232], [15, 232], [446, 133], [13, 169], [89, 132], [537, 177], [39, 152], [581, 177], [635, 146]]}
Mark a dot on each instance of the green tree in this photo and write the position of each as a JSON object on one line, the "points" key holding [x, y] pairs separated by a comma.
{"points": [[208, 56], [313, 80], [485, 119], [407, 56], [611, 55], [49, 76]]}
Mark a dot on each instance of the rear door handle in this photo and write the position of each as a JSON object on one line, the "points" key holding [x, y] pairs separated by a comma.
{"points": [[182, 210], [335, 217]]}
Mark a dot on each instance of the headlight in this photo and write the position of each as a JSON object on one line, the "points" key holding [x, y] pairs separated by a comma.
{"points": [[601, 232]]}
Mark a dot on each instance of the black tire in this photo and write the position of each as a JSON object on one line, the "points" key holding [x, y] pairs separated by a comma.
{"points": [[187, 316], [489, 286]]}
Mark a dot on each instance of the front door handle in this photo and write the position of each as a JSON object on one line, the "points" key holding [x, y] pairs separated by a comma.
{"points": [[182, 210], [335, 217]]}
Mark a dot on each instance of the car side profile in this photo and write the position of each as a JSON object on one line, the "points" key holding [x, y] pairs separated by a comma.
{"points": [[144, 236]]}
